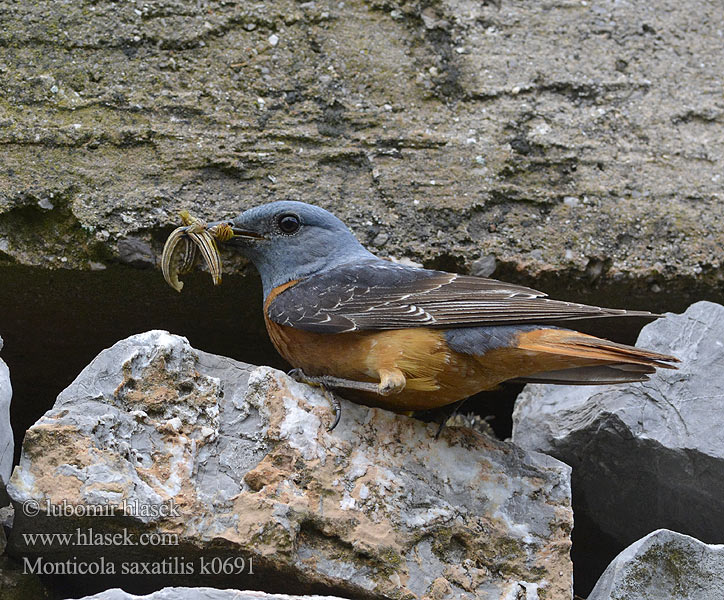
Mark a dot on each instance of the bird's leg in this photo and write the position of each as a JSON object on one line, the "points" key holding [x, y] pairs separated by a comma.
{"points": [[322, 382], [392, 381], [333, 382], [456, 408]]}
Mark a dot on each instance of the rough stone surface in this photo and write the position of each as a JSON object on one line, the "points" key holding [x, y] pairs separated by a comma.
{"points": [[200, 593], [378, 508], [645, 455], [579, 138], [7, 445], [664, 564]]}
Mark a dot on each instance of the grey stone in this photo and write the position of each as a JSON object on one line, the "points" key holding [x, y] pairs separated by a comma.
{"points": [[378, 507], [7, 514], [200, 593], [104, 404], [664, 565], [484, 267], [644, 455], [444, 116], [135, 252]]}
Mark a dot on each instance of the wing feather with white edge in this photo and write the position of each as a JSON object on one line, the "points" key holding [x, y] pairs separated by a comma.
{"points": [[377, 294]]}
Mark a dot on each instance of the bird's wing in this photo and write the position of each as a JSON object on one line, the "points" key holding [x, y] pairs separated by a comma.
{"points": [[381, 295]]}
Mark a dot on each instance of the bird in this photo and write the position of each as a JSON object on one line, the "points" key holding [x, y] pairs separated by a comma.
{"points": [[406, 338]]}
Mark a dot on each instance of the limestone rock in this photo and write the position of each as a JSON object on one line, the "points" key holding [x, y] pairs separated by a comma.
{"points": [[664, 564], [550, 135], [241, 459], [200, 593], [7, 445], [644, 455]]}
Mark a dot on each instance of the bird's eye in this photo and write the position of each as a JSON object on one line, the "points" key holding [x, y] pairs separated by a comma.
{"points": [[289, 223]]}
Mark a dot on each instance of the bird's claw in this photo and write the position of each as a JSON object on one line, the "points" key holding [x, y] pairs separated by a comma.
{"points": [[182, 246], [301, 377], [297, 375], [456, 408], [336, 407]]}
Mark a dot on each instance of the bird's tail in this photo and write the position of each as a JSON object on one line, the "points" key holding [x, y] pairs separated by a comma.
{"points": [[571, 357]]}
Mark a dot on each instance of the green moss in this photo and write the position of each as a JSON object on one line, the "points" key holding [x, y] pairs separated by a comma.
{"points": [[273, 535], [391, 559], [668, 563]]}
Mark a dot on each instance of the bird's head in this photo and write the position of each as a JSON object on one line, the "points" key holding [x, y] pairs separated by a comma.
{"points": [[290, 240]]}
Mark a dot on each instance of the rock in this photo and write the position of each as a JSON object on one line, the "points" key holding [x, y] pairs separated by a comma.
{"points": [[7, 445], [447, 116], [484, 267], [664, 564], [200, 593], [236, 463], [644, 455], [135, 252]]}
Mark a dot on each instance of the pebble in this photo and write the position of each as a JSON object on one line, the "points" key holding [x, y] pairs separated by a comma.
{"points": [[485, 266], [380, 240]]}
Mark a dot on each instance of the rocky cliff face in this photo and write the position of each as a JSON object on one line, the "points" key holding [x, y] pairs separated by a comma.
{"points": [[567, 137]]}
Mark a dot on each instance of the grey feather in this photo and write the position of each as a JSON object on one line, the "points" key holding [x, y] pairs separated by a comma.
{"points": [[375, 294], [594, 375]]}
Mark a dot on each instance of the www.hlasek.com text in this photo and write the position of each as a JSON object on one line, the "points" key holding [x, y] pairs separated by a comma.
{"points": [[88, 536]]}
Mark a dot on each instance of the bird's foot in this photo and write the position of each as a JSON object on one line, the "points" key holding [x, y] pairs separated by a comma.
{"points": [[323, 383], [336, 407], [391, 382], [456, 408]]}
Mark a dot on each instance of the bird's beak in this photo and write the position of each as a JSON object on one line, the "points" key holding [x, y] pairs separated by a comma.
{"points": [[238, 234]]}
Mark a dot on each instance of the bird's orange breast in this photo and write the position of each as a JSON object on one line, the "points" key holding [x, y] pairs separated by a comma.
{"points": [[435, 375]]}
